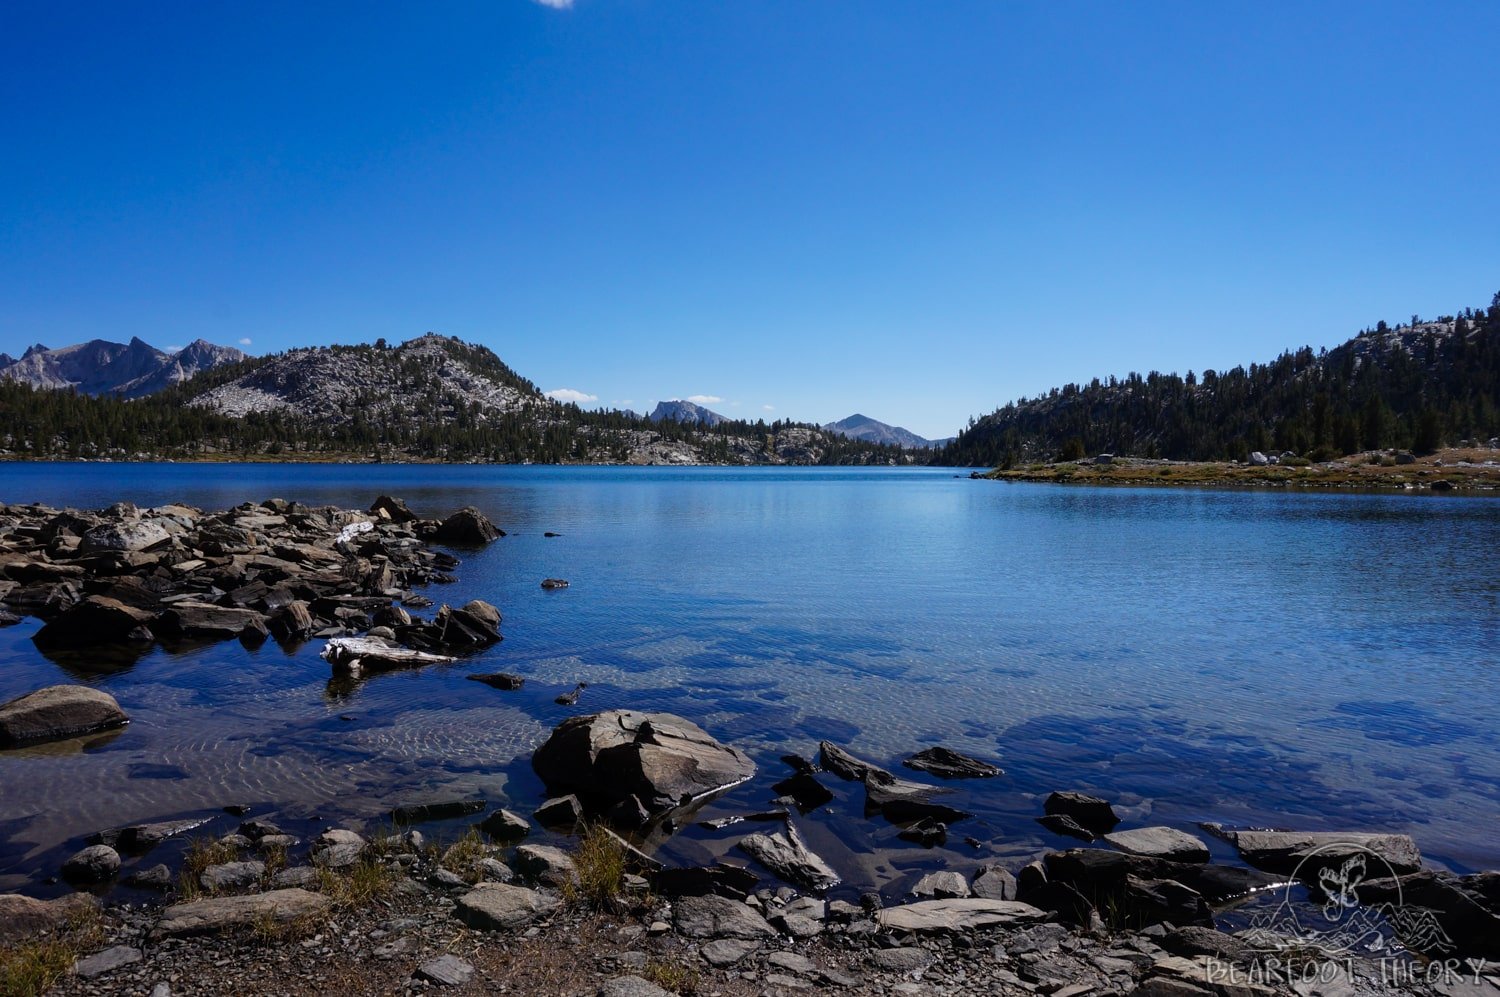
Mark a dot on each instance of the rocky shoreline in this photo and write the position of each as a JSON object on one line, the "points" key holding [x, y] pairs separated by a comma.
{"points": [[272, 908]]}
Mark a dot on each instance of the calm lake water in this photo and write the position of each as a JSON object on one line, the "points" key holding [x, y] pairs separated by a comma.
{"points": [[1264, 658]]}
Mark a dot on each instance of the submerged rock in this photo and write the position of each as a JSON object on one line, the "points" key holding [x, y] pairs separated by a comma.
{"points": [[787, 855], [663, 760], [58, 712]]}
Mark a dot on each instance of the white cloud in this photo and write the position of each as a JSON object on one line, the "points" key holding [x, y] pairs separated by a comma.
{"points": [[557, 4], [769, 408], [245, 341], [174, 349], [570, 395], [703, 399]]}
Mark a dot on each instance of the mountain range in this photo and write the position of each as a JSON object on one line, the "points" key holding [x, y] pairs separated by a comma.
{"points": [[431, 398], [99, 367]]}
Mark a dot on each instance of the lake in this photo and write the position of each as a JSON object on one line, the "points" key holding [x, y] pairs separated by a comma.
{"points": [[1269, 658]]}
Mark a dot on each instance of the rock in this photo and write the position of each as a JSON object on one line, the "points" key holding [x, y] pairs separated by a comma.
{"points": [[560, 811], [632, 986], [216, 914], [108, 537], [569, 698], [337, 849], [963, 914], [107, 961], [1285, 851], [94, 864], [503, 825], [416, 813], [467, 527], [1465, 908], [446, 970], [1194, 940], [948, 764], [925, 832], [499, 680], [902, 801], [804, 790], [297, 875], [1089, 812], [661, 759], [1163, 901], [1159, 842], [545, 864], [190, 621], [23, 918], [994, 883], [554, 583], [96, 619], [158, 877], [900, 960], [792, 962], [501, 907], [356, 656], [495, 871], [293, 621], [394, 509], [722, 952], [143, 837], [231, 876], [56, 713], [719, 917], [256, 829], [841, 763], [785, 854], [941, 886], [722, 879]]}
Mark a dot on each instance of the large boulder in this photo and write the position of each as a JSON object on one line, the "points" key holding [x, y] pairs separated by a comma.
{"points": [[1307, 852], [500, 907], [662, 760], [58, 712], [205, 621], [468, 527], [96, 619], [23, 918], [1159, 842], [211, 916], [94, 864], [124, 536], [959, 914]]}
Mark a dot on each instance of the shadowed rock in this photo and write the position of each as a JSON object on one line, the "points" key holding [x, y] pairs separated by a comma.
{"points": [[1092, 814], [468, 527], [96, 620], [662, 760]]}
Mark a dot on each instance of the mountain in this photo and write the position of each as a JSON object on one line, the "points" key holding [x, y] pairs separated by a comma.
{"points": [[99, 367], [431, 378], [862, 427], [1418, 386], [431, 398], [678, 410]]}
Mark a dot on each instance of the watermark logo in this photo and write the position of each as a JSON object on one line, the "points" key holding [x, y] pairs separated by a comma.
{"points": [[1355, 909]]}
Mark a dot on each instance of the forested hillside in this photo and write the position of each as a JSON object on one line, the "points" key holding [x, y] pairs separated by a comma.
{"points": [[1419, 385]]}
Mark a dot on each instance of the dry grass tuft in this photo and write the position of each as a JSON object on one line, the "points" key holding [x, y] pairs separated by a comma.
{"points": [[31, 968], [673, 975], [462, 858], [365, 881], [600, 862]]}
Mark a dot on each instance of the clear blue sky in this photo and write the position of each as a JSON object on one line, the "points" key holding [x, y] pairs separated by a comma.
{"points": [[918, 211]]}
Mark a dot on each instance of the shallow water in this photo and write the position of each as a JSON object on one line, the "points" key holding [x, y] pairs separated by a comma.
{"points": [[1252, 657]]}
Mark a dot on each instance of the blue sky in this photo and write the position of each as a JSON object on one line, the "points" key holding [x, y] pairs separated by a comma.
{"points": [[914, 211]]}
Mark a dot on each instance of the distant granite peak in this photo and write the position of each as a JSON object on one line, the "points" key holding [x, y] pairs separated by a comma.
{"points": [[678, 410], [862, 427]]}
